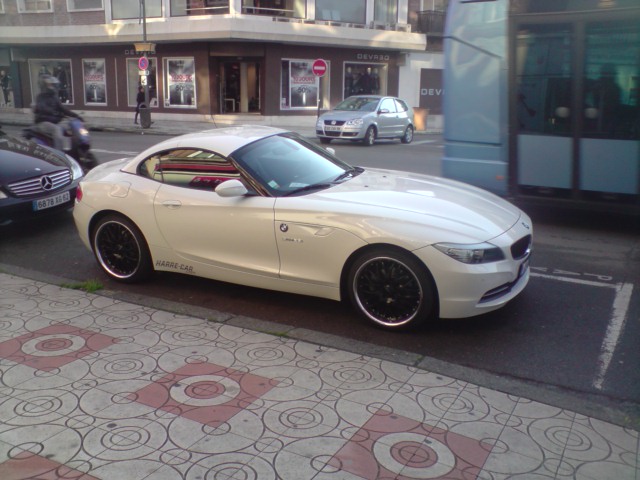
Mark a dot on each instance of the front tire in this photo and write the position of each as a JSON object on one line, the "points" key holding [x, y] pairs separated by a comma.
{"points": [[408, 135], [392, 289], [121, 249], [369, 136]]}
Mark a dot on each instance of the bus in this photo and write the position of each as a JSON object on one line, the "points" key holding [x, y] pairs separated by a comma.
{"points": [[542, 100]]}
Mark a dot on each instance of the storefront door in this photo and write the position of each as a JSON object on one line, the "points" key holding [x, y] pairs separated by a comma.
{"points": [[240, 87]]}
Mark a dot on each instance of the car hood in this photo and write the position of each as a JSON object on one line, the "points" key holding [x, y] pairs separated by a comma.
{"points": [[21, 158], [344, 115], [439, 209]]}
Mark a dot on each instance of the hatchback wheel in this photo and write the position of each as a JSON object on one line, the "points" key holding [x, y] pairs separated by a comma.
{"points": [[121, 249], [369, 136], [408, 135], [392, 289]]}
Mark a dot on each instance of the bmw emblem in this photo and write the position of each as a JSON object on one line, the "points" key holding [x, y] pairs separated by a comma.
{"points": [[46, 183], [284, 227]]}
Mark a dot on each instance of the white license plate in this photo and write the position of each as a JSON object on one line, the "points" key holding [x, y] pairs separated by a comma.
{"points": [[49, 202], [332, 129]]}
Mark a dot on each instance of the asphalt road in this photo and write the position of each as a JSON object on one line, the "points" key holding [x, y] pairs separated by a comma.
{"points": [[570, 339]]}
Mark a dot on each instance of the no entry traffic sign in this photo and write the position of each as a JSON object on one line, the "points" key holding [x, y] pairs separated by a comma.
{"points": [[319, 67]]}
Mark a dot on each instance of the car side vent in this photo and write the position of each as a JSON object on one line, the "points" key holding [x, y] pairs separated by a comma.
{"points": [[521, 248]]}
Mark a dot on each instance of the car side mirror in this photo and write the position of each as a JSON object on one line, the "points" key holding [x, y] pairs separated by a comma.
{"points": [[383, 110], [231, 188]]}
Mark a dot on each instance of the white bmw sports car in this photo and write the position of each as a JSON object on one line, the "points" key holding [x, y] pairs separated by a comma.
{"points": [[267, 208]]}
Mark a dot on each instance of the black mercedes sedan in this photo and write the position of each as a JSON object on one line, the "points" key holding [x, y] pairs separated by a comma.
{"points": [[34, 180]]}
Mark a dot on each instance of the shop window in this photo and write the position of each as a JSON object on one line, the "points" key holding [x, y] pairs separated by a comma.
{"points": [[61, 69], [134, 81], [180, 89], [300, 88], [385, 11], [365, 79], [82, 5], [353, 11], [181, 8], [32, 6], [95, 85], [128, 9]]}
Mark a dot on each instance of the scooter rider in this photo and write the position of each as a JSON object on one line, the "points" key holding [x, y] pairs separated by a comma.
{"points": [[49, 111]]}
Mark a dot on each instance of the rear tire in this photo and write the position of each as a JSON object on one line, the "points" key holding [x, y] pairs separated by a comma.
{"points": [[392, 289], [369, 136], [408, 135], [121, 249]]}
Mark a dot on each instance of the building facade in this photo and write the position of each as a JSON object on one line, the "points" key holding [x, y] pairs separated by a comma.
{"points": [[220, 59]]}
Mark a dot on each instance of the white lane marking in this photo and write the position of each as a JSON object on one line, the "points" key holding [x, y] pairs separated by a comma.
{"points": [[616, 323], [614, 331]]}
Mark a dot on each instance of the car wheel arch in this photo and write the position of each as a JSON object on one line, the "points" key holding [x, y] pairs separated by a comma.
{"points": [[94, 224], [372, 247]]}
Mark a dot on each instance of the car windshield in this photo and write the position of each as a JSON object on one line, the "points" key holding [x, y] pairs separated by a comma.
{"points": [[289, 164], [359, 104]]}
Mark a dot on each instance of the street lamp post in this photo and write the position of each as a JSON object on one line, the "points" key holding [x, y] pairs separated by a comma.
{"points": [[144, 48]]}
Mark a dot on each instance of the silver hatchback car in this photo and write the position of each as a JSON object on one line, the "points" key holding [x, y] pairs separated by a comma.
{"points": [[365, 118]]}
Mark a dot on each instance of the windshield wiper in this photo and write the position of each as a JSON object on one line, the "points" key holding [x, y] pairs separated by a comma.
{"points": [[348, 174]]}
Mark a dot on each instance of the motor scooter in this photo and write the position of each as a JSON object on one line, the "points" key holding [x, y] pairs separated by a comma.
{"points": [[80, 142]]}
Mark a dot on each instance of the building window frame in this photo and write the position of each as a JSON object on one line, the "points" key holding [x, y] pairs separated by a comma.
{"points": [[341, 11], [35, 6], [300, 89], [1, 6], [198, 7], [180, 82], [72, 6], [385, 12], [61, 68], [94, 79], [354, 75], [153, 9]]}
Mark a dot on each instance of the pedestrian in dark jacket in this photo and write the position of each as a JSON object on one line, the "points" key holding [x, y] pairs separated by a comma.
{"points": [[49, 111], [139, 103]]}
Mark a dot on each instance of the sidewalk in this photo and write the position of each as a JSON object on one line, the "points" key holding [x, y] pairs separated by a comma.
{"points": [[92, 387], [163, 126]]}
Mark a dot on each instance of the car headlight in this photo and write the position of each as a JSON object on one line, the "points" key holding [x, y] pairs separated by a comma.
{"points": [[76, 169], [2, 195], [319, 123], [471, 254], [356, 122]]}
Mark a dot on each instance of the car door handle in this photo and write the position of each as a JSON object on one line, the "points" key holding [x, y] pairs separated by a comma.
{"points": [[172, 203]]}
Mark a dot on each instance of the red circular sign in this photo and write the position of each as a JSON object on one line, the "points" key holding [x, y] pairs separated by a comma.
{"points": [[319, 67], [143, 63]]}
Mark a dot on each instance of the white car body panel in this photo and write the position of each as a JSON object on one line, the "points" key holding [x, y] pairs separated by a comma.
{"points": [[300, 244]]}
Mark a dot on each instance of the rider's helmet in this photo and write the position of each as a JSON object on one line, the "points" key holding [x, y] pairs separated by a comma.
{"points": [[49, 83]]}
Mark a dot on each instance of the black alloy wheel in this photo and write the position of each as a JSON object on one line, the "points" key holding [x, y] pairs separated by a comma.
{"points": [[121, 249], [392, 289]]}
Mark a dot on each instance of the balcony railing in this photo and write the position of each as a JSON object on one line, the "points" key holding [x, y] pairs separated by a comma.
{"points": [[431, 22]]}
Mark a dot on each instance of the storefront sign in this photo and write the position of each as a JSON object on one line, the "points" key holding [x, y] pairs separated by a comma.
{"points": [[431, 91]]}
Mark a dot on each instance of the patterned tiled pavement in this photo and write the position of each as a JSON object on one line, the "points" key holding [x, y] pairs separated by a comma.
{"points": [[92, 387]]}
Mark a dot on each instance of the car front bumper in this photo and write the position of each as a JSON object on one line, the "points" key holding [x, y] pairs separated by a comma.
{"points": [[13, 209], [466, 290]]}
